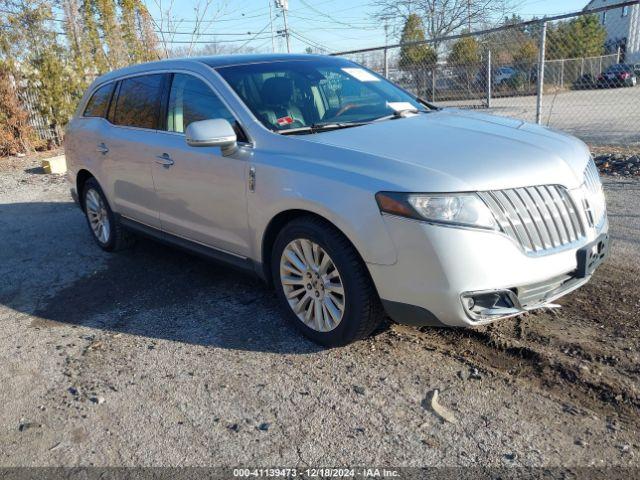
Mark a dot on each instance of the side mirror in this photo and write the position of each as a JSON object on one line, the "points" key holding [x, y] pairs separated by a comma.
{"points": [[217, 132]]}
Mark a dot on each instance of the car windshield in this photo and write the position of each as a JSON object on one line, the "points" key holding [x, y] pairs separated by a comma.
{"points": [[303, 95]]}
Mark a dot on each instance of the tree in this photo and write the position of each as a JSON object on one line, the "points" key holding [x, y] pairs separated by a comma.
{"points": [[80, 61], [109, 25], [53, 81], [443, 17], [148, 36], [416, 58], [465, 54], [129, 30], [39, 60], [525, 60], [578, 38], [92, 36], [505, 42], [411, 55], [16, 135], [527, 54], [168, 25], [465, 51]]}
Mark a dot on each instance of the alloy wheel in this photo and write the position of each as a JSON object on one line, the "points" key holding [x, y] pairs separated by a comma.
{"points": [[312, 285], [97, 215]]}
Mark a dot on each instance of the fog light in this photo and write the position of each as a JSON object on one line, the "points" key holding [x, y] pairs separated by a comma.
{"points": [[491, 305]]}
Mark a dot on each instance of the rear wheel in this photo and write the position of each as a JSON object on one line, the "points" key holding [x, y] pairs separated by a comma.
{"points": [[106, 230], [322, 283]]}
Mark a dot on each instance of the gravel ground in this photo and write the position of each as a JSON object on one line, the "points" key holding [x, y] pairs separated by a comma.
{"points": [[155, 357]]}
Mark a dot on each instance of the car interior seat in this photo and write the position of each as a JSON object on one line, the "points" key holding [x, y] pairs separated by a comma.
{"points": [[277, 94]]}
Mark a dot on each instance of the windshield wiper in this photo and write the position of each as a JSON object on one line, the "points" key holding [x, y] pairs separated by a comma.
{"points": [[400, 114], [428, 104], [321, 127]]}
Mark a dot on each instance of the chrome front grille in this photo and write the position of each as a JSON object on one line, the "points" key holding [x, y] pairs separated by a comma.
{"points": [[539, 219], [594, 203]]}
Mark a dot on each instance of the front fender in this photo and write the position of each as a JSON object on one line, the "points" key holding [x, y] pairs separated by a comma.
{"points": [[351, 209]]}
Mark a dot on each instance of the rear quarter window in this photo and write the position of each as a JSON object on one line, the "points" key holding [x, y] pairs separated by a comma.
{"points": [[138, 103], [99, 101]]}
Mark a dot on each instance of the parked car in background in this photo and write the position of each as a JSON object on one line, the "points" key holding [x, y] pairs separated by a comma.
{"points": [[585, 82], [503, 75], [349, 195], [618, 75]]}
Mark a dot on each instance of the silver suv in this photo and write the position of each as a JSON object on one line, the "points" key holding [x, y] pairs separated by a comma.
{"points": [[349, 195]]}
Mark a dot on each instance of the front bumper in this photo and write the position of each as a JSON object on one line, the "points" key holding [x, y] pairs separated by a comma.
{"points": [[439, 267]]}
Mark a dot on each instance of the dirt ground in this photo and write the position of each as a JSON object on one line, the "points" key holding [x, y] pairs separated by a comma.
{"points": [[155, 357]]}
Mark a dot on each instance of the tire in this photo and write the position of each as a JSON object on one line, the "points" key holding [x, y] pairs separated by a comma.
{"points": [[361, 310], [112, 237]]}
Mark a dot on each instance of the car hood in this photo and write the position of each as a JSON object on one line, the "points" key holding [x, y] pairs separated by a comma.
{"points": [[456, 150]]}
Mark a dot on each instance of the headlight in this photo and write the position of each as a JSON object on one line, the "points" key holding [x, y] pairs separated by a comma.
{"points": [[465, 209]]}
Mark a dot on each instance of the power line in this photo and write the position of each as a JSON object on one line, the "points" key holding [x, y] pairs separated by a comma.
{"points": [[253, 38], [215, 20], [312, 8], [210, 42], [363, 26], [156, 30], [170, 42], [174, 20], [198, 34], [308, 41]]}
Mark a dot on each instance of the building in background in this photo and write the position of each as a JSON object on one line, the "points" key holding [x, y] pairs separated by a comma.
{"points": [[623, 28]]}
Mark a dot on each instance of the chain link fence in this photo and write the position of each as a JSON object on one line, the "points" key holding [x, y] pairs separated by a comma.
{"points": [[46, 132], [578, 72]]}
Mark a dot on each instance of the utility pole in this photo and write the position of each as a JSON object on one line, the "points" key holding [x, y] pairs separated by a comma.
{"points": [[273, 40], [541, 60], [284, 6], [469, 14], [386, 50]]}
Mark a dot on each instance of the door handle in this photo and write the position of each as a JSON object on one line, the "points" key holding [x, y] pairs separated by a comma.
{"points": [[165, 160], [102, 148]]}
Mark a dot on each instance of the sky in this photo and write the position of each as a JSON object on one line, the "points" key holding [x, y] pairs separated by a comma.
{"points": [[333, 25]]}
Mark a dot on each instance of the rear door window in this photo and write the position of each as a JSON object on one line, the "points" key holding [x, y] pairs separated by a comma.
{"points": [[138, 103], [99, 101]]}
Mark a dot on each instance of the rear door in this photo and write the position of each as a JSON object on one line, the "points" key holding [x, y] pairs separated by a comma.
{"points": [[86, 133], [131, 145], [201, 192]]}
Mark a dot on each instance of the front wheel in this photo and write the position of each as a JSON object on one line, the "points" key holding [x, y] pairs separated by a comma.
{"points": [[322, 283]]}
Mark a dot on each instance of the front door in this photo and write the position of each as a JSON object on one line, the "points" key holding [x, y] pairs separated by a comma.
{"points": [[201, 193]]}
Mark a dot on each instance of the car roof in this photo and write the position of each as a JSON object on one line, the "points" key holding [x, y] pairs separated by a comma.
{"points": [[211, 61], [229, 60]]}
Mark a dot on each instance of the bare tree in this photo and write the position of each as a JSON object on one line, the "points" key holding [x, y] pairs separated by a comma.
{"points": [[166, 25], [443, 17], [205, 14]]}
